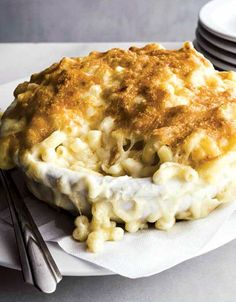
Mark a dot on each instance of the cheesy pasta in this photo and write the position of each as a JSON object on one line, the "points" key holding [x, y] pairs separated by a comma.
{"points": [[132, 137]]}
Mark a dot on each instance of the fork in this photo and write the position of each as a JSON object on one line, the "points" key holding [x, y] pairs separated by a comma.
{"points": [[38, 266]]}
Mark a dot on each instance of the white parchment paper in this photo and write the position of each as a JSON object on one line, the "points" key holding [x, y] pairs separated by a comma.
{"points": [[144, 253]]}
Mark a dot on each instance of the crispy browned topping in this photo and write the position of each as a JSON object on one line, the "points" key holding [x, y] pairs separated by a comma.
{"points": [[155, 94]]}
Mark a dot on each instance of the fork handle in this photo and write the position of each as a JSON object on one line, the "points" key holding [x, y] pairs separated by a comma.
{"points": [[38, 266]]}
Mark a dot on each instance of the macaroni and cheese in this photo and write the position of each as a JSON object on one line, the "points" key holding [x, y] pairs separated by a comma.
{"points": [[135, 137]]}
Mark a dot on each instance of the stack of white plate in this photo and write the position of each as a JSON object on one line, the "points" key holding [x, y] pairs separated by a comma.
{"points": [[216, 33]]}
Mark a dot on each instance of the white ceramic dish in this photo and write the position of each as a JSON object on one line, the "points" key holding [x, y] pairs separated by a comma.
{"points": [[219, 17], [216, 62], [217, 41], [217, 52]]}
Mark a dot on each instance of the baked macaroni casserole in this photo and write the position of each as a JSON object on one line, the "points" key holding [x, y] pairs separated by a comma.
{"points": [[126, 137]]}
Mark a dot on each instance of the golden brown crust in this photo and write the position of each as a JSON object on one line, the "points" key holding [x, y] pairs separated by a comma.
{"points": [[138, 97]]}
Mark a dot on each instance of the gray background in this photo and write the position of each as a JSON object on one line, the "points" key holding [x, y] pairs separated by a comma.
{"points": [[208, 278], [211, 277], [98, 20]]}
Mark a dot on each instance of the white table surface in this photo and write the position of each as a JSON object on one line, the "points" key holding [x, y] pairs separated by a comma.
{"points": [[211, 277]]}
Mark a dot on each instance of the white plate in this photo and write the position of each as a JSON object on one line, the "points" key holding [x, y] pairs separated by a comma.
{"points": [[217, 52], [217, 41], [216, 62], [219, 17]]}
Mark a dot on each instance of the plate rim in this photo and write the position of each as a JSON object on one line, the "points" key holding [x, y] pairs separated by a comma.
{"points": [[215, 61], [203, 21], [214, 52], [215, 40]]}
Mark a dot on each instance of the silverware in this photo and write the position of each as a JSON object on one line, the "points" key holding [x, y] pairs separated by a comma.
{"points": [[38, 266]]}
